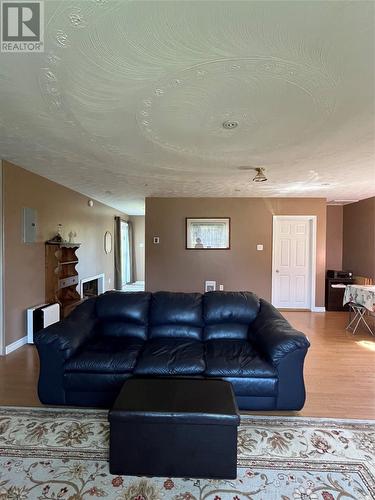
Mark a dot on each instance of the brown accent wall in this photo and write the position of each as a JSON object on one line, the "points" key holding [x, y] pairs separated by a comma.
{"points": [[334, 237], [359, 238], [24, 263], [170, 267], [139, 246]]}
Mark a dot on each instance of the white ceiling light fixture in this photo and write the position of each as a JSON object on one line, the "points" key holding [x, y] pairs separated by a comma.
{"points": [[260, 175]]}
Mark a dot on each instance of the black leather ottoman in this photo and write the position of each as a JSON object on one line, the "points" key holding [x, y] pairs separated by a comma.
{"points": [[174, 428]]}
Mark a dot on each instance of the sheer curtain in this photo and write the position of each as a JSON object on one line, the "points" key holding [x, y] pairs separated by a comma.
{"points": [[123, 253]]}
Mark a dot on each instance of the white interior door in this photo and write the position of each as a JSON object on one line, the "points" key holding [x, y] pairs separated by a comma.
{"points": [[292, 269]]}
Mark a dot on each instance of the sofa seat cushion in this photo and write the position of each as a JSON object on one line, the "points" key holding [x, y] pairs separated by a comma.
{"points": [[166, 356], [107, 355], [236, 358]]}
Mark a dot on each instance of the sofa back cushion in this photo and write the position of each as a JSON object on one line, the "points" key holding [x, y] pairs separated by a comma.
{"points": [[123, 314], [227, 315], [176, 315]]}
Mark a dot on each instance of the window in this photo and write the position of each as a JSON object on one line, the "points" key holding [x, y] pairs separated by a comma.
{"points": [[125, 254], [207, 233]]}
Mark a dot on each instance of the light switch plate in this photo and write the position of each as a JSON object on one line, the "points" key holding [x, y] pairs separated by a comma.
{"points": [[259, 248], [156, 240]]}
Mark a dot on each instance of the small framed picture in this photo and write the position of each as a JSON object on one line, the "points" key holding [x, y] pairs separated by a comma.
{"points": [[209, 286], [207, 233]]}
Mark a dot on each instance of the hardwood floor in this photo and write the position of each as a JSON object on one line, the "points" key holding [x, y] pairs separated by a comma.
{"points": [[18, 377], [339, 367], [339, 370]]}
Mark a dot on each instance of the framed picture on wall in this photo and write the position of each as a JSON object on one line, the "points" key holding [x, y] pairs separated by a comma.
{"points": [[206, 233]]}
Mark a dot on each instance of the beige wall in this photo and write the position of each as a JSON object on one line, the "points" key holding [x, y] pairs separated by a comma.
{"points": [[170, 267], [359, 238], [24, 263], [334, 237], [139, 246]]}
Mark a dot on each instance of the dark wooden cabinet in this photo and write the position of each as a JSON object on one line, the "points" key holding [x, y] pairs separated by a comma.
{"points": [[62, 276], [335, 289]]}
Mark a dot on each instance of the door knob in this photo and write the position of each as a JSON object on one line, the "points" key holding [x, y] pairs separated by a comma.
{"points": [[277, 270]]}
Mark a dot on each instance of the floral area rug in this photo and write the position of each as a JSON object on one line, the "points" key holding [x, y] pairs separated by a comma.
{"points": [[53, 454]]}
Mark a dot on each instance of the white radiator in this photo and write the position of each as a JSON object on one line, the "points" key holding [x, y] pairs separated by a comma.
{"points": [[40, 317]]}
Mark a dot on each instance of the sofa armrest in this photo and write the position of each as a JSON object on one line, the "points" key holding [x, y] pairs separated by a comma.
{"points": [[56, 344], [286, 349], [274, 336], [68, 335]]}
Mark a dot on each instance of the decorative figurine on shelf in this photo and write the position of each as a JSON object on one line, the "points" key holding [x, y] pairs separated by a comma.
{"points": [[59, 236], [72, 235]]}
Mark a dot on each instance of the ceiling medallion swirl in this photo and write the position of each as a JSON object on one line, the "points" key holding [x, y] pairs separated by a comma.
{"points": [[192, 111], [230, 124]]}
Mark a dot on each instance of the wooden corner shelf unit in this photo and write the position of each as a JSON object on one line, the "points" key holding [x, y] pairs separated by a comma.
{"points": [[62, 276]]}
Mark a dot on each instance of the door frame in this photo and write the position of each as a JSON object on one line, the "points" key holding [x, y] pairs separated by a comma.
{"points": [[2, 330], [313, 240]]}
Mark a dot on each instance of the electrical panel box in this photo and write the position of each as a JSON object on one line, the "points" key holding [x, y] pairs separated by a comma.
{"points": [[29, 225]]}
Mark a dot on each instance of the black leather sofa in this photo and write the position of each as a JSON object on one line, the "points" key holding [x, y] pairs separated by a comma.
{"points": [[235, 336]]}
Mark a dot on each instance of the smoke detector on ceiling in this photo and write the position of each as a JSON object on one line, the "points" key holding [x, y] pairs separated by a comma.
{"points": [[230, 124]]}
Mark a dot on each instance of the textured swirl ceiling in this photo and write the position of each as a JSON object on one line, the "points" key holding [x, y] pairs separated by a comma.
{"points": [[129, 99]]}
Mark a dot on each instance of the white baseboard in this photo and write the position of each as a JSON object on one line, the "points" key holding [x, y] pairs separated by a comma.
{"points": [[16, 345], [318, 309]]}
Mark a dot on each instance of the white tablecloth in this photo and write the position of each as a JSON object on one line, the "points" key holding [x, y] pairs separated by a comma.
{"points": [[360, 294]]}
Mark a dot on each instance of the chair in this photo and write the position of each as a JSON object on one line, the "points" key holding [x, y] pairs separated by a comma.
{"points": [[359, 316], [363, 280]]}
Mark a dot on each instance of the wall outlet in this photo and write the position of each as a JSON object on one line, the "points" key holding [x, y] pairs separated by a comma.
{"points": [[221, 288], [156, 240], [259, 248]]}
